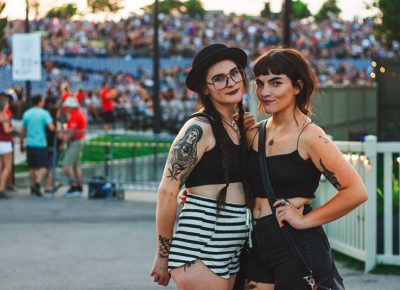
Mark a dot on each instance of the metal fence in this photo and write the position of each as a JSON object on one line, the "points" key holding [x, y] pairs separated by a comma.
{"points": [[129, 161]]}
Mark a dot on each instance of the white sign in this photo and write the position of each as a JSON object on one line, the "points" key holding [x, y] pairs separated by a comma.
{"points": [[27, 64]]}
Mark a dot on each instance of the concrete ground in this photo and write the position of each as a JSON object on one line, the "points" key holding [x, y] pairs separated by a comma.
{"points": [[58, 243]]}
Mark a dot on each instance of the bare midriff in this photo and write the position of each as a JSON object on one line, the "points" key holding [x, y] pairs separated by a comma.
{"points": [[235, 192], [262, 207]]}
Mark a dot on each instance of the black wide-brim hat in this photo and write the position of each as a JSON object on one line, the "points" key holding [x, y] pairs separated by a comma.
{"points": [[210, 55]]}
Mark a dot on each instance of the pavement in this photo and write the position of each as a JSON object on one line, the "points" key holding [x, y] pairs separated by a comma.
{"points": [[75, 243]]}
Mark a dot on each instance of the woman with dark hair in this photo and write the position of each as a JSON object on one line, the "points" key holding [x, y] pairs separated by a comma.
{"points": [[297, 153], [207, 156], [6, 148]]}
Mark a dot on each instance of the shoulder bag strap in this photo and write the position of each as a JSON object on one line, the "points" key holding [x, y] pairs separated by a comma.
{"points": [[298, 257]]}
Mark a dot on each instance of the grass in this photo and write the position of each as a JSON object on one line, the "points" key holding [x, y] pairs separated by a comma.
{"points": [[109, 147], [354, 264], [114, 147]]}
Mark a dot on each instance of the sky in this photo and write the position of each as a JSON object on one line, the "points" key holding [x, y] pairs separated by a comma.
{"points": [[350, 8]]}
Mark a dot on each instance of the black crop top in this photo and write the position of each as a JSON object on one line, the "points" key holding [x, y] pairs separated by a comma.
{"points": [[290, 175], [209, 169]]}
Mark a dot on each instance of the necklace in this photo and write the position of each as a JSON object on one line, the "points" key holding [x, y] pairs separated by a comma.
{"points": [[271, 141], [232, 124]]}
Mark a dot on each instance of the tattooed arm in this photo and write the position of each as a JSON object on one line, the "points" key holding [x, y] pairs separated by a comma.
{"points": [[351, 191], [186, 150]]}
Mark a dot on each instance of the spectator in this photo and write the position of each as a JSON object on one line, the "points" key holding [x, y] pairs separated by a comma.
{"points": [[54, 146], [5, 145], [107, 105], [74, 136], [34, 124]]}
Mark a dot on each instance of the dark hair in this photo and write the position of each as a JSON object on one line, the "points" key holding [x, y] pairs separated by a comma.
{"points": [[3, 101], [36, 99], [291, 63], [222, 138]]}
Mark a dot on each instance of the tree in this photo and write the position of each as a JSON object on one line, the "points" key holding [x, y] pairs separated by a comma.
{"points": [[104, 5], [35, 5], [3, 24], [389, 14], [194, 8], [65, 12], [300, 10], [329, 7], [165, 7], [190, 7], [266, 12]]}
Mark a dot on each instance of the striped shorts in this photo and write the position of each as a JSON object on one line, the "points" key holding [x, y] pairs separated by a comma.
{"points": [[215, 239]]}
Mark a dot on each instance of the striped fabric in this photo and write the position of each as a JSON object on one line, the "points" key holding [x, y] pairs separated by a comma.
{"points": [[215, 239]]}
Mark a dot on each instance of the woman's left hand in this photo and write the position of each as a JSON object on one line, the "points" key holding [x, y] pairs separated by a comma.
{"points": [[249, 122], [286, 212]]}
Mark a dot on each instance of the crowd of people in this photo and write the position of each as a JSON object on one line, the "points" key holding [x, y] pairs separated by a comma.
{"points": [[183, 36]]}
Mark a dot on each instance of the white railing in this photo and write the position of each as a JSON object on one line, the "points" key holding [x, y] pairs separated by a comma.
{"points": [[356, 234]]}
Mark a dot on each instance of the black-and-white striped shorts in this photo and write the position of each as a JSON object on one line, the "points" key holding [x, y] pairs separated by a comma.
{"points": [[215, 239]]}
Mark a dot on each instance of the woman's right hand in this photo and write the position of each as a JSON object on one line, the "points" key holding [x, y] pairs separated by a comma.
{"points": [[182, 197], [159, 271]]}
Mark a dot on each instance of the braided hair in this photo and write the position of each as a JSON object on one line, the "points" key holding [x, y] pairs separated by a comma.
{"points": [[223, 140]]}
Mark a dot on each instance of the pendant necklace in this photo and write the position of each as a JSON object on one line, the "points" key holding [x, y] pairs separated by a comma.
{"points": [[232, 124]]}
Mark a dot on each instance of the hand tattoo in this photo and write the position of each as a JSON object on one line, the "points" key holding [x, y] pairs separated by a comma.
{"points": [[183, 155], [330, 176], [165, 244]]}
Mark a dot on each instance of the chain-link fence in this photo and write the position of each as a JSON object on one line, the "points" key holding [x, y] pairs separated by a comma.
{"points": [[127, 161]]}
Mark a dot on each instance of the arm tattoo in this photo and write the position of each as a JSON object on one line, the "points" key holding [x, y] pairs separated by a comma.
{"points": [[330, 176], [165, 244], [183, 155], [324, 139]]}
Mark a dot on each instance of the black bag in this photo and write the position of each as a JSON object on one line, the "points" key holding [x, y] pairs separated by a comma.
{"points": [[333, 278], [100, 187]]}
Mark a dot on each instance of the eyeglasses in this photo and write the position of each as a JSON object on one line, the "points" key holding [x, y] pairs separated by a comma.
{"points": [[220, 81]]}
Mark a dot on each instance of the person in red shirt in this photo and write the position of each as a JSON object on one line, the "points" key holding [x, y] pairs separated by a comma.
{"points": [[65, 94], [80, 96], [107, 104], [74, 137], [5, 144]]}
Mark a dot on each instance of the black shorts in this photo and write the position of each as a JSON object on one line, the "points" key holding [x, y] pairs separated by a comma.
{"points": [[109, 117], [36, 157], [270, 260]]}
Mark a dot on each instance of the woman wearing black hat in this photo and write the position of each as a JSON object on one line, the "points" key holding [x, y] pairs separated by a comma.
{"points": [[207, 156]]}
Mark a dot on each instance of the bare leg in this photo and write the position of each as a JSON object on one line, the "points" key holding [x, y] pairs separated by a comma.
{"points": [[41, 174], [198, 277], [49, 180], [6, 161], [32, 176], [71, 174], [78, 174]]}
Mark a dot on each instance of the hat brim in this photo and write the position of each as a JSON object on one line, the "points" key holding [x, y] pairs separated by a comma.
{"points": [[237, 55]]}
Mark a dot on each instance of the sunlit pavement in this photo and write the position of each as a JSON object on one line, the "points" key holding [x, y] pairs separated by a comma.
{"points": [[59, 243]]}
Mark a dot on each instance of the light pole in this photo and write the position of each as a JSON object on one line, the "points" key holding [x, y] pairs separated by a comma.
{"points": [[27, 83], [156, 75], [286, 23]]}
